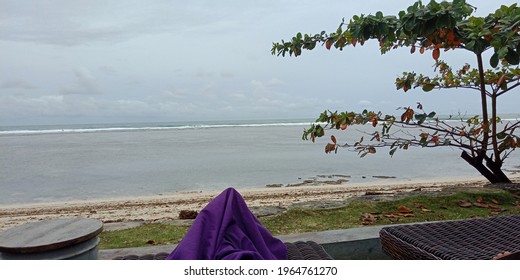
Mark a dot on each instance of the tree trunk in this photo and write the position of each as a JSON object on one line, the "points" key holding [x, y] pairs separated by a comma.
{"points": [[496, 168], [492, 172]]}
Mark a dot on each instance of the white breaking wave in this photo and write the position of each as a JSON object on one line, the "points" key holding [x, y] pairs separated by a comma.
{"points": [[128, 128]]}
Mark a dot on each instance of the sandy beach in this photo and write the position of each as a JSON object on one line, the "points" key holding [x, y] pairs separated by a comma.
{"points": [[166, 208]]}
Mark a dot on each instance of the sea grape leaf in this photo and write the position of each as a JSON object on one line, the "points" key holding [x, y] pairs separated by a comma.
{"points": [[404, 209], [494, 60], [428, 87]]}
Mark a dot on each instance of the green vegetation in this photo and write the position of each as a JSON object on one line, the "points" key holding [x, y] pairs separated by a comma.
{"points": [[448, 26], [363, 212], [358, 213], [146, 235]]}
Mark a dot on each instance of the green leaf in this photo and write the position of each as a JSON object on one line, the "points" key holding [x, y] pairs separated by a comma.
{"points": [[494, 60], [512, 57], [428, 87], [392, 151], [409, 25], [423, 141], [502, 52], [340, 30], [503, 86], [443, 21], [470, 45], [319, 131], [458, 2]]}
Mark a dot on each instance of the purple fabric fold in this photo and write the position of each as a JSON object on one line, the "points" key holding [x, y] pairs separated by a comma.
{"points": [[227, 230]]}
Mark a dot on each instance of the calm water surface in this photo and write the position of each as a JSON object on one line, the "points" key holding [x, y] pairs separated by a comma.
{"points": [[56, 164]]}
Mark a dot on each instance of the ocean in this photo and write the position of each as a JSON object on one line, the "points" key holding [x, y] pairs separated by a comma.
{"points": [[80, 162]]}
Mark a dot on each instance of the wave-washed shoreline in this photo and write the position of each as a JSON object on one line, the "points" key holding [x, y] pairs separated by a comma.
{"points": [[166, 208]]}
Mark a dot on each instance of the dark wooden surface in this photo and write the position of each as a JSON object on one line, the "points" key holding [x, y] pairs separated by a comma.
{"points": [[48, 235]]}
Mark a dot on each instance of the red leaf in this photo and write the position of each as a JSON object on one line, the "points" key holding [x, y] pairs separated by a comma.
{"points": [[333, 138], [450, 36], [495, 201], [328, 44], [391, 215], [436, 53], [481, 205], [403, 117], [404, 210], [329, 148], [405, 215]]}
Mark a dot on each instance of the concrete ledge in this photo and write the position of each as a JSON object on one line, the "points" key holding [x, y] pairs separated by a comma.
{"points": [[110, 254], [343, 244]]}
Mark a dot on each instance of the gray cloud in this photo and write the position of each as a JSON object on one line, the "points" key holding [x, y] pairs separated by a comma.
{"points": [[132, 60], [85, 83], [71, 23], [17, 84]]}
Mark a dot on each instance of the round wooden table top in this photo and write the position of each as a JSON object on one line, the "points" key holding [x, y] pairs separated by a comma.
{"points": [[48, 235]]}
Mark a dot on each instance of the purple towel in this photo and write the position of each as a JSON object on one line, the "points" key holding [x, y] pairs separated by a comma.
{"points": [[227, 230]]}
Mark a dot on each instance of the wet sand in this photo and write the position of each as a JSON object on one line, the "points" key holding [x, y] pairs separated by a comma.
{"points": [[166, 208]]}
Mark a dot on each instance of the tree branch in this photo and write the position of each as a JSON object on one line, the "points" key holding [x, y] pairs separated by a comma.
{"points": [[510, 88], [485, 117]]}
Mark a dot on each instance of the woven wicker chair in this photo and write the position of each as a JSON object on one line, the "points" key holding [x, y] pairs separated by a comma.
{"points": [[481, 238], [299, 250]]}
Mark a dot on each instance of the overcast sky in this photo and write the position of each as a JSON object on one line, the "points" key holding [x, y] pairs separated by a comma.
{"points": [[95, 61]]}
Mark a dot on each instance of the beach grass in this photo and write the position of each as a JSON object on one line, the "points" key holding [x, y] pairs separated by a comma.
{"points": [[145, 235], [410, 209], [357, 213]]}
